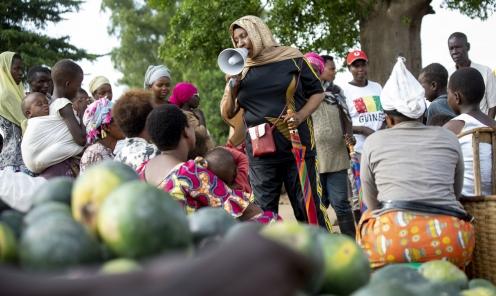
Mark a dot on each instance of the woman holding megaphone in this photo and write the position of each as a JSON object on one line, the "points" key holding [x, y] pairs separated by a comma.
{"points": [[273, 80]]}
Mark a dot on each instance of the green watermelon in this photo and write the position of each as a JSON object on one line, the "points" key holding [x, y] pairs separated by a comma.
{"points": [[400, 273], [302, 238], [8, 244], [479, 291], [385, 289], [120, 265], [445, 273], [241, 228], [49, 209], [57, 189], [209, 224], [477, 283], [14, 219], [57, 244], [138, 220], [93, 186], [346, 266]]}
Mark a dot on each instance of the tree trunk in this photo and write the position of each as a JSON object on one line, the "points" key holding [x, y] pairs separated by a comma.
{"points": [[392, 29]]}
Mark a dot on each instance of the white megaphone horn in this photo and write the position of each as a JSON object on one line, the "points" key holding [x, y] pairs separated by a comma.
{"points": [[232, 60]]}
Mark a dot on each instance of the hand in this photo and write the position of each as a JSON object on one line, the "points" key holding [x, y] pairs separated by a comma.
{"points": [[349, 140], [233, 82], [293, 119]]}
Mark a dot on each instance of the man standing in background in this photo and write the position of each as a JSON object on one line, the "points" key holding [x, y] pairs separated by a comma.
{"points": [[458, 49], [332, 130]]}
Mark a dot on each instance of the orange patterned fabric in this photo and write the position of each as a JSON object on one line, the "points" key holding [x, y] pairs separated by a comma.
{"points": [[403, 236]]}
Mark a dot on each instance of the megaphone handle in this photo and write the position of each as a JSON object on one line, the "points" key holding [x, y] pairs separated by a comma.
{"points": [[232, 82]]}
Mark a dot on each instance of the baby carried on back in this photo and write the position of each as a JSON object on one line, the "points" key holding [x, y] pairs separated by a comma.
{"points": [[47, 140]]}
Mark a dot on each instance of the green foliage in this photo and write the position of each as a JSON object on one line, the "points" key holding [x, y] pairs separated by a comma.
{"points": [[198, 33], [199, 29], [473, 8], [16, 19], [316, 25], [141, 30]]}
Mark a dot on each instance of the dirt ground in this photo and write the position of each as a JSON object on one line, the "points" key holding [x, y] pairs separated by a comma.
{"points": [[286, 211]]}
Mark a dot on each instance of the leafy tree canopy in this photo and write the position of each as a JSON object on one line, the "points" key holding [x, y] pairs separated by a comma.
{"points": [[141, 30], [22, 20]]}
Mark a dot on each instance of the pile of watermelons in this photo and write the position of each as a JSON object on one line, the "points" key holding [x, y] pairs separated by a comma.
{"points": [[109, 218]]}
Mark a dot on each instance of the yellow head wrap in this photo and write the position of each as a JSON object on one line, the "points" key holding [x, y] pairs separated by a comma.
{"points": [[96, 82], [11, 94]]}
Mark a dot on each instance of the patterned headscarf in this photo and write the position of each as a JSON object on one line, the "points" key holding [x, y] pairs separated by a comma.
{"points": [[153, 73], [11, 94], [265, 49], [97, 116], [182, 92], [316, 60]]}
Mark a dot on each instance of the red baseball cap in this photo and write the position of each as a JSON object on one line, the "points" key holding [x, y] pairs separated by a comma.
{"points": [[356, 54]]}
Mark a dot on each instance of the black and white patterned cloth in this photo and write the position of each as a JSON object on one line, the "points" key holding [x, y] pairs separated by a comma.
{"points": [[135, 151], [11, 156]]}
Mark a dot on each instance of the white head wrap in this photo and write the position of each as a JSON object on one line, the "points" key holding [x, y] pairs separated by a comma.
{"points": [[403, 92], [155, 72]]}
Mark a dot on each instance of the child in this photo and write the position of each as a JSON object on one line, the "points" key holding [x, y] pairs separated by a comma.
{"points": [[35, 104], [465, 92], [67, 78], [220, 162], [434, 79], [51, 144], [230, 165]]}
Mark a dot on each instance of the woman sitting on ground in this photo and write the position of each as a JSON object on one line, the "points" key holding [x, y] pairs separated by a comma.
{"points": [[465, 91], [414, 215], [102, 133], [192, 185]]}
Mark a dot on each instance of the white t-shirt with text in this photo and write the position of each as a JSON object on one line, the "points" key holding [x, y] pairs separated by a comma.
{"points": [[364, 104]]}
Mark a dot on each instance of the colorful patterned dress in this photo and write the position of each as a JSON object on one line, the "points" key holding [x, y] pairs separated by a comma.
{"points": [[196, 187]]}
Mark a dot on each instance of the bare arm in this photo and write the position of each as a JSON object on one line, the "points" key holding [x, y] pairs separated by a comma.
{"points": [[76, 129], [228, 105], [362, 130]]}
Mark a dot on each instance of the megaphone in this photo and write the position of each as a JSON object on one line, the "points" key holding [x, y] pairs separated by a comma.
{"points": [[232, 60]]}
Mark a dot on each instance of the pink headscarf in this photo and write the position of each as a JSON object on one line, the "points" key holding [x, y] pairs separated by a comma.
{"points": [[182, 92], [315, 60]]}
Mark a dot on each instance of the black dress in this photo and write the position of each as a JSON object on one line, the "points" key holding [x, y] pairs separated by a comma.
{"points": [[264, 93]]}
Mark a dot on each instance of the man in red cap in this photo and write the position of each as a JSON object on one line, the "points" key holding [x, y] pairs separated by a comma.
{"points": [[363, 98]]}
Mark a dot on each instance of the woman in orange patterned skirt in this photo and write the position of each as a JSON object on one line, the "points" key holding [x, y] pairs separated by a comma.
{"points": [[411, 177]]}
